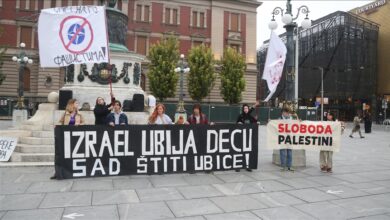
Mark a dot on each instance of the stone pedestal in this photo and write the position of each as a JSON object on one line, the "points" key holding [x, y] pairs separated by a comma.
{"points": [[298, 158], [19, 116]]}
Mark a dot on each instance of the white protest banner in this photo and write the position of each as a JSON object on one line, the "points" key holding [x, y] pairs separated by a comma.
{"points": [[274, 63], [72, 35], [7, 147], [308, 135]]}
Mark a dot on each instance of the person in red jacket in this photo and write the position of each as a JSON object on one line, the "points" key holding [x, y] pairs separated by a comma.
{"points": [[197, 116]]}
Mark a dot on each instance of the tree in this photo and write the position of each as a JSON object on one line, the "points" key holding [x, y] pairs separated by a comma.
{"points": [[201, 77], [2, 52], [232, 76], [163, 58]]}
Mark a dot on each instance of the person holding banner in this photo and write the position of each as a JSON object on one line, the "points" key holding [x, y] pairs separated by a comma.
{"points": [[117, 117], [246, 118], [197, 117], [101, 110], [286, 154], [72, 115], [158, 117], [326, 157]]}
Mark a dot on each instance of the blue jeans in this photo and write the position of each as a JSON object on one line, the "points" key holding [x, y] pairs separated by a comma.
{"points": [[285, 157]]}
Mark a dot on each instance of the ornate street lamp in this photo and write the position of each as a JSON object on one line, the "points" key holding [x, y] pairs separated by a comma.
{"points": [[291, 68], [180, 106], [23, 60]]}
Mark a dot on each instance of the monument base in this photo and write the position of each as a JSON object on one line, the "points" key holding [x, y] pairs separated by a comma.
{"points": [[19, 116], [298, 158]]}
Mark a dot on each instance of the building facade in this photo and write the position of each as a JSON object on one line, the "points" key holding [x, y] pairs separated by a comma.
{"points": [[345, 46], [379, 12], [216, 23]]}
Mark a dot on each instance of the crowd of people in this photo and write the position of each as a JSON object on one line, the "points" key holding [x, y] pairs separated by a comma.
{"points": [[112, 115]]}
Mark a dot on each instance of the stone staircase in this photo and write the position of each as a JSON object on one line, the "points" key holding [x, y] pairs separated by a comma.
{"points": [[37, 147]]}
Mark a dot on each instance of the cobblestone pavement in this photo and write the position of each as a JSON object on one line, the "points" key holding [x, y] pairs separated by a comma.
{"points": [[359, 188]]}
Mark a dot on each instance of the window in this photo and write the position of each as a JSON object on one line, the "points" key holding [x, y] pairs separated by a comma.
{"points": [[25, 35], [196, 43], [27, 4], [236, 47], [53, 3], [201, 19], [26, 79], [194, 19], [234, 22], [141, 45], [142, 13], [198, 19], [171, 16]]}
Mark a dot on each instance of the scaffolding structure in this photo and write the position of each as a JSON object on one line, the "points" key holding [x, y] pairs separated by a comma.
{"points": [[345, 45]]}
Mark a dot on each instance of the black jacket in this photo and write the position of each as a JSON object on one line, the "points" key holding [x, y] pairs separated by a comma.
{"points": [[101, 112], [246, 118]]}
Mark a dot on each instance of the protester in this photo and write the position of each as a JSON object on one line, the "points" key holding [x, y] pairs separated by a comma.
{"points": [[71, 116], [246, 118], [101, 110], [181, 121], [286, 154], [356, 126], [197, 116], [117, 117], [367, 121], [326, 157], [159, 117]]}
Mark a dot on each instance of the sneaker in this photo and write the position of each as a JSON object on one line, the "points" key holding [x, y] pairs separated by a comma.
{"points": [[53, 177], [291, 169], [329, 170], [323, 169], [249, 170], [362, 137], [283, 169], [350, 136], [238, 170]]}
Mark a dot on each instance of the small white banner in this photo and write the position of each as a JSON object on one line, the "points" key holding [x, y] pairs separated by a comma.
{"points": [[7, 147], [72, 35], [308, 135]]}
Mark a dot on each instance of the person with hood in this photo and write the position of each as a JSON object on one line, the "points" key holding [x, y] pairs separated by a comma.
{"points": [[246, 118], [101, 110]]}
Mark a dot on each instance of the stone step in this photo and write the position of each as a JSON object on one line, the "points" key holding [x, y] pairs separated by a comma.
{"points": [[26, 164], [31, 127], [36, 141], [48, 128], [32, 157], [27, 148], [43, 134]]}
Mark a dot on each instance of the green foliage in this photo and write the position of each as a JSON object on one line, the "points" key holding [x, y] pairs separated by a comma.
{"points": [[201, 77], [232, 76], [2, 52], [163, 58]]}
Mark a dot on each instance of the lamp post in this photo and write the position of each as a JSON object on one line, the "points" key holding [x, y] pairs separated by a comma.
{"points": [[299, 156], [180, 106], [23, 60], [291, 68]]}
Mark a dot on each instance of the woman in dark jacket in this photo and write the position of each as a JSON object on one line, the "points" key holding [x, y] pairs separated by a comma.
{"points": [[246, 118], [101, 110]]}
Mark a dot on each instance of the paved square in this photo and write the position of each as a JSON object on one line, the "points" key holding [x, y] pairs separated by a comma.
{"points": [[358, 188]]}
